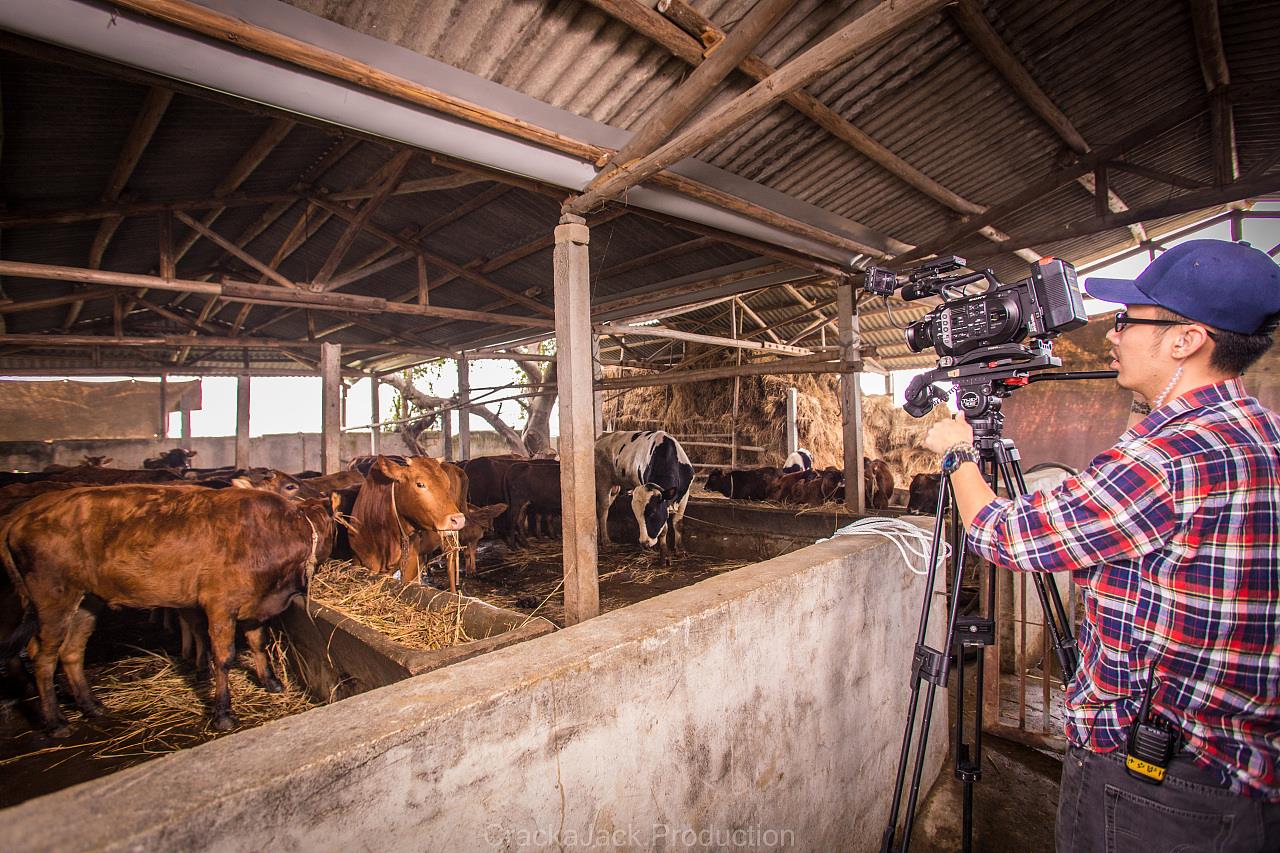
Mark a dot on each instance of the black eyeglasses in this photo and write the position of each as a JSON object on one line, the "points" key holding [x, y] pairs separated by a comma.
{"points": [[1122, 320]]}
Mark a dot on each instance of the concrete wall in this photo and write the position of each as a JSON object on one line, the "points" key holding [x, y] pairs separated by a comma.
{"points": [[767, 701], [288, 452]]}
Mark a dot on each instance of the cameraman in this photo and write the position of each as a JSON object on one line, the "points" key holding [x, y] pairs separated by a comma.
{"points": [[1174, 537]]}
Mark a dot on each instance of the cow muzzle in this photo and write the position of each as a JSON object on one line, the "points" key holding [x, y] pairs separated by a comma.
{"points": [[455, 522]]}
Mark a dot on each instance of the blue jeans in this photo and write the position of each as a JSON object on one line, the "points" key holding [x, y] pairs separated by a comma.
{"points": [[1102, 809]]}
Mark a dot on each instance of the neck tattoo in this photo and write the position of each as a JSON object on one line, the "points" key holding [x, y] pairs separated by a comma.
{"points": [[1173, 380]]}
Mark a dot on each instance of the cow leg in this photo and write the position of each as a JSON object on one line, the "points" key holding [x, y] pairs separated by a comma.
{"points": [[257, 638], [71, 656], [55, 621], [193, 630], [410, 567], [222, 646], [602, 530], [471, 560]]}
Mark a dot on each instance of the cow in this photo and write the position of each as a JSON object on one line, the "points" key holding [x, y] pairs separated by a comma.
{"points": [[747, 484], [785, 488], [90, 475], [653, 465], [397, 498], [800, 460], [177, 459], [533, 489], [234, 554], [922, 498], [877, 482]]}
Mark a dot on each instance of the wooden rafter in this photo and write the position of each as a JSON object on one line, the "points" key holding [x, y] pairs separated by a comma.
{"points": [[984, 37], [1217, 78], [231, 248], [679, 104], [356, 224], [144, 127], [875, 26], [757, 319]]}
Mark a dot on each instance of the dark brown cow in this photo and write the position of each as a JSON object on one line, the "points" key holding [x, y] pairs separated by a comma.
{"points": [[820, 487], [397, 498], [785, 488], [877, 482], [91, 475], [747, 484], [922, 498], [533, 492], [234, 554], [177, 459]]}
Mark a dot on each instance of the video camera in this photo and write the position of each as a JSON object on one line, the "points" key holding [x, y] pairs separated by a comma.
{"points": [[979, 337]]}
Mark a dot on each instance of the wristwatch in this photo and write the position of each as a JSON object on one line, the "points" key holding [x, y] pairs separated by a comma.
{"points": [[958, 455]]}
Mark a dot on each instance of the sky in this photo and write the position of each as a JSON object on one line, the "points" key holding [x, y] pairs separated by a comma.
{"points": [[292, 404]]}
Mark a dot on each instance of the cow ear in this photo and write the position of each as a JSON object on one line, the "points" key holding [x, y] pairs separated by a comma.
{"points": [[383, 469], [490, 511], [241, 483], [335, 501]]}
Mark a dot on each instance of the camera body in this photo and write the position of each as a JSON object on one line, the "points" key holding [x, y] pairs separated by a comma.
{"points": [[964, 326]]}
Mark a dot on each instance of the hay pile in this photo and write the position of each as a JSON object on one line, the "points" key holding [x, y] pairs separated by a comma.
{"points": [[372, 599], [705, 409]]}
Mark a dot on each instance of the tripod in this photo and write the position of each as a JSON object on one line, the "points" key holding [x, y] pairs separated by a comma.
{"points": [[930, 668]]}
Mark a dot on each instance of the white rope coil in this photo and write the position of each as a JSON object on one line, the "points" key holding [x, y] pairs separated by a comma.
{"points": [[913, 542]]}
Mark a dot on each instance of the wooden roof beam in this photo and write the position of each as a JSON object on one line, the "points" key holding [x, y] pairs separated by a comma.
{"points": [[354, 225], [984, 37], [676, 106], [878, 24], [144, 127], [757, 319], [1206, 25]]}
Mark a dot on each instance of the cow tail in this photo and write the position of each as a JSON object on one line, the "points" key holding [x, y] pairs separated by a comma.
{"points": [[11, 600]]}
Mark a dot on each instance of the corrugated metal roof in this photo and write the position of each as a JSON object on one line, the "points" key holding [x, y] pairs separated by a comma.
{"points": [[926, 94]]}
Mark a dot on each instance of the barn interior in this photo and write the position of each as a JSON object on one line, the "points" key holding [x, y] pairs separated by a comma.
{"points": [[250, 188]]}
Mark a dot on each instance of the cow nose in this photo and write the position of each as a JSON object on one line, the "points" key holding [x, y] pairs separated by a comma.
{"points": [[456, 521]]}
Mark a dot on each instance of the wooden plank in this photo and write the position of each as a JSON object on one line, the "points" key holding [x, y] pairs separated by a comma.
{"points": [[375, 415], [242, 420], [1207, 27], [680, 335], [855, 498], [330, 408], [572, 286], [163, 431], [758, 320], [788, 366], [464, 413], [875, 26]]}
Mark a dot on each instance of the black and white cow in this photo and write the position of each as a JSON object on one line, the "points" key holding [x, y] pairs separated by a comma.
{"points": [[655, 468], [801, 460]]}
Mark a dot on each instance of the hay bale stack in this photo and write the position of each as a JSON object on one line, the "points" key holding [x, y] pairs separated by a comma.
{"points": [[705, 409]]}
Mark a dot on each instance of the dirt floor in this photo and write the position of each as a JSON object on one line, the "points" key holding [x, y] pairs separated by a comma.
{"points": [[530, 580]]}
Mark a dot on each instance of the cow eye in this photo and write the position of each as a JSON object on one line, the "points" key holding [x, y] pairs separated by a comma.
{"points": [[421, 485], [291, 488]]}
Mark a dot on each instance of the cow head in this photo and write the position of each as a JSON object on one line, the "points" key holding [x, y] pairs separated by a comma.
{"points": [[718, 481], [425, 494], [652, 506]]}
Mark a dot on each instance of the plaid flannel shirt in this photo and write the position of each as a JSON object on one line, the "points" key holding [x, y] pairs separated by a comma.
{"points": [[1174, 537]]}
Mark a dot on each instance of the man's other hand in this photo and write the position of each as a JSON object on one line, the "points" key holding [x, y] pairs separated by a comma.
{"points": [[945, 435]]}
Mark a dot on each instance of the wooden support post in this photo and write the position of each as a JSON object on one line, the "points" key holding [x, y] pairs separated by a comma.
{"points": [[163, 432], [577, 429], [850, 402], [330, 408], [1237, 226], [464, 413], [793, 434], [186, 426], [737, 390], [242, 420], [597, 398], [446, 434], [375, 416]]}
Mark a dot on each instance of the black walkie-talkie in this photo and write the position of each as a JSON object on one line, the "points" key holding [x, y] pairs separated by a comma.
{"points": [[1152, 742]]}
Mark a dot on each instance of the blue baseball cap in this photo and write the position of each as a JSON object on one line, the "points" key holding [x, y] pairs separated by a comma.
{"points": [[1225, 285]]}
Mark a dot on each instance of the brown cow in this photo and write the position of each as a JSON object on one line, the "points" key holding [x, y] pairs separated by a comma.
{"points": [[747, 484], [877, 481], [397, 498], [533, 492], [235, 554], [923, 496]]}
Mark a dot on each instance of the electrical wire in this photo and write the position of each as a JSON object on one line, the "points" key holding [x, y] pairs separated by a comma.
{"points": [[912, 541]]}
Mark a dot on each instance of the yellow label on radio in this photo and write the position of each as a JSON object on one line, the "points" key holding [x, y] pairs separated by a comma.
{"points": [[1137, 765]]}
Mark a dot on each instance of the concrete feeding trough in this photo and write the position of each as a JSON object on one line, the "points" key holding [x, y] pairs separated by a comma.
{"points": [[338, 656]]}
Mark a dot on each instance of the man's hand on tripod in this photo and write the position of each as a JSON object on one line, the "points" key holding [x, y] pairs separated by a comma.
{"points": [[967, 484], [944, 435]]}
